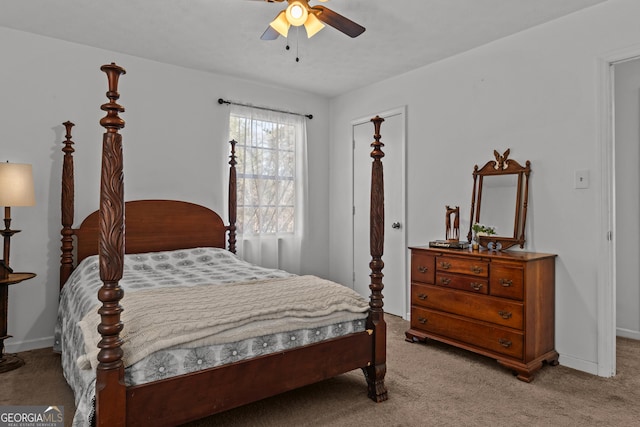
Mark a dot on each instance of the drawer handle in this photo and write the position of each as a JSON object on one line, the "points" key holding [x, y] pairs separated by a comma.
{"points": [[476, 269], [506, 282], [445, 265], [475, 286], [505, 314], [504, 342], [422, 269], [445, 280], [422, 320], [422, 296]]}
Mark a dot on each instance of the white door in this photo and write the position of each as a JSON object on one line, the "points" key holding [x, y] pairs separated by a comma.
{"points": [[392, 131]]}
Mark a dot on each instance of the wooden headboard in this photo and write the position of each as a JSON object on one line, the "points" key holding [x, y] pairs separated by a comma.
{"points": [[151, 225], [157, 225]]}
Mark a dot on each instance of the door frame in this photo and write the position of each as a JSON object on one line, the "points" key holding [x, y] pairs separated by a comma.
{"points": [[402, 111], [606, 304]]}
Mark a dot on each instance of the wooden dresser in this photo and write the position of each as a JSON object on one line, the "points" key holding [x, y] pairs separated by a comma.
{"points": [[499, 304]]}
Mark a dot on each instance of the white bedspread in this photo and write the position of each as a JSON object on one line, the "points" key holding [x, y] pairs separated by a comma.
{"points": [[163, 318]]}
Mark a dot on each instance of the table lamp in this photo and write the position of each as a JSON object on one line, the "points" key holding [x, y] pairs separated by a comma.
{"points": [[16, 189]]}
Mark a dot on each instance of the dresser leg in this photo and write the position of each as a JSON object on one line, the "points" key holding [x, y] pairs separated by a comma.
{"points": [[526, 372], [553, 360], [522, 372], [527, 377], [412, 337]]}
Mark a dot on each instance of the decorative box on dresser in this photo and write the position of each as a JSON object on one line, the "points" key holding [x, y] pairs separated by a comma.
{"points": [[499, 304]]}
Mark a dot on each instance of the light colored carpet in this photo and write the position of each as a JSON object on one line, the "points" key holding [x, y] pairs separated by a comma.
{"points": [[429, 385]]}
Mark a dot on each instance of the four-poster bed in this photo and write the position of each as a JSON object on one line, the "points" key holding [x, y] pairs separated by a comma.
{"points": [[167, 241]]}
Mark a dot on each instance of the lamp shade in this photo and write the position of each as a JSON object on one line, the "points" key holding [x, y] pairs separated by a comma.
{"points": [[312, 25], [16, 185], [280, 24]]}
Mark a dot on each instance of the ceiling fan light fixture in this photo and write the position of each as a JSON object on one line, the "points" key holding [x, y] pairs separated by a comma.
{"points": [[314, 19], [281, 24], [313, 25], [296, 13]]}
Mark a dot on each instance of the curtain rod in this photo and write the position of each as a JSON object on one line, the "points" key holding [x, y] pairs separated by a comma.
{"points": [[222, 101]]}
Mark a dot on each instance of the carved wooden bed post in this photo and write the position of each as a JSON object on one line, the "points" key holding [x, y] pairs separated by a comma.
{"points": [[67, 203], [376, 372], [233, 202], [110, 385]]}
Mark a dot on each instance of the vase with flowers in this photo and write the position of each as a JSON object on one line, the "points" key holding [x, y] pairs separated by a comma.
{"points": [[480, 230]]}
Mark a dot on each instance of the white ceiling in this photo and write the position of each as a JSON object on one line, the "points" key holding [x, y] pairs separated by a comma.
{"points": [[223, 36]]}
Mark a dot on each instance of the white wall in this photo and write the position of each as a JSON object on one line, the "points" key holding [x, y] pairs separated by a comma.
{"points": [[627, 157], [174, 147], [536, 93]]}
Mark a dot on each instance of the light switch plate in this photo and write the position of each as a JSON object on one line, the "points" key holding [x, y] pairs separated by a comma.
{"points": [[582, 179]]}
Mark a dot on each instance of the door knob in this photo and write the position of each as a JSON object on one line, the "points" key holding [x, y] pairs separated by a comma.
{"points": [[395, 225]]}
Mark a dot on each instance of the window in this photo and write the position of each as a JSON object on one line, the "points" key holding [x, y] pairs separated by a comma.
{"points": [[271, 176], [266, 155]]}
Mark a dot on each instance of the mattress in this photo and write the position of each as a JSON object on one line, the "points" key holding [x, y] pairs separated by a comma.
{"points": [[176, 269]]}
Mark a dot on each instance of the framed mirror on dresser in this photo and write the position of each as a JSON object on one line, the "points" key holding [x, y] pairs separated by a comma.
{"points": [[495, 302], [500, 198]]}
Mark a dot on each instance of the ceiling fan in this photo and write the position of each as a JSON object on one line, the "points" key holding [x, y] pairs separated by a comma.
{"points": [[299, 13]]}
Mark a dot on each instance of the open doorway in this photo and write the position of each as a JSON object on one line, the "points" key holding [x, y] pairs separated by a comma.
{"points": [[626, 159], [610, 230]]}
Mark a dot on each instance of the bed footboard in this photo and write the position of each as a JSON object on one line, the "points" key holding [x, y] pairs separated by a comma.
{"points": [[220, 389]]}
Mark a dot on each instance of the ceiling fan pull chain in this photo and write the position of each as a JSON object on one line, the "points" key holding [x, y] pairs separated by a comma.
{"points": [[297, 44]]}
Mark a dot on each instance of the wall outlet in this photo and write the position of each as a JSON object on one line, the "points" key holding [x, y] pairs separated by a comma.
{"points": [[582, 179]]}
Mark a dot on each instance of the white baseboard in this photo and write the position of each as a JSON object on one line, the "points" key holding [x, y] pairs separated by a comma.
{"points": [[16, 347], [627, 333], [579, 364]]}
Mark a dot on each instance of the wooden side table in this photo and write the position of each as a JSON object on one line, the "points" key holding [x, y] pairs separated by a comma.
{"points": [[9, 362]]}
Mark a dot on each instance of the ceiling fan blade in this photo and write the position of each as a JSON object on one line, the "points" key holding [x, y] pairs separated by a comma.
{"points": [[269, 34], [338, 21]]}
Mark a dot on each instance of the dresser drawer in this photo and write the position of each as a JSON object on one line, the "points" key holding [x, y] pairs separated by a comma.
{"points": [[479, 307], [423, 267], [507, 281], [463, 266], [493, 338], [464, 283]]}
